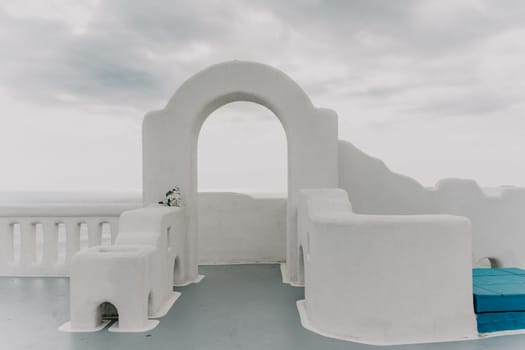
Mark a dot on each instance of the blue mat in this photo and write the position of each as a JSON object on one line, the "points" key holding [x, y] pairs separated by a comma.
{"points": [[499, 290], [499, 299], [500, 321]]}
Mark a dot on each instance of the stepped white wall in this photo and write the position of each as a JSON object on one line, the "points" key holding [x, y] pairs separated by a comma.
{"points": [[498, 221]]}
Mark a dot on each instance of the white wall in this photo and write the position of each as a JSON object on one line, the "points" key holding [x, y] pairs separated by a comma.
{"points": [[498, 221], [241, 228], [374, 189]]}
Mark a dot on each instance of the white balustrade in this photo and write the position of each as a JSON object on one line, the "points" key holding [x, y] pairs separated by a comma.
{"points": [[40, 240]]}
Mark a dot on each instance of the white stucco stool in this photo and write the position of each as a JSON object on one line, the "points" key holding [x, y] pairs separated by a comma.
{"points": [[120, 275], [135, 275]]}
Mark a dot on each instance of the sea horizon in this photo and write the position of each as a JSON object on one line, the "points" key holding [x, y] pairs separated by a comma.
{"points": [[43, 197]]}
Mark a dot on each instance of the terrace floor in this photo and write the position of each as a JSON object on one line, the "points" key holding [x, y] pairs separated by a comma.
{"points": [[234, 307]]}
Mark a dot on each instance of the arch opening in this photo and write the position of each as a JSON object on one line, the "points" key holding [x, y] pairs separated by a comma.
{"points": [[107, 311], [242, 181], [242, 147]]}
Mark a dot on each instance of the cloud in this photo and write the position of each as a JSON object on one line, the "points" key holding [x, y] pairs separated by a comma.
{"points": [[133, 52], [382, 65]]}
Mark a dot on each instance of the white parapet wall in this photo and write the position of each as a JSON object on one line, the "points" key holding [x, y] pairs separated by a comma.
{"points": [[241, 228], [40, 239], [244, 228], [498, 220]]}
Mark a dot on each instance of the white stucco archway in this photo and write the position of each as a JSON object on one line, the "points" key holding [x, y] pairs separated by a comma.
{"points": [[170, 142]]}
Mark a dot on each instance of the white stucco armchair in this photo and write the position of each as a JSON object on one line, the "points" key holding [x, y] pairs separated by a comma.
{"points": [[384, 279]]}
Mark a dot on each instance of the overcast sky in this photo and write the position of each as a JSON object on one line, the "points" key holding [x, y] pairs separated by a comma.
{"points": [[434, 88]]}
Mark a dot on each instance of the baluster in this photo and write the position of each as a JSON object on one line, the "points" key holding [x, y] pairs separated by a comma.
{"points": [[94, 227], [50, 255], [72, 239], [6, 244], [23, 252], [27, 243], [84, 233]]}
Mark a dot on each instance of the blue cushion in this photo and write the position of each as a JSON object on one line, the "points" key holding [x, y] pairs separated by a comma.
{"points": [[499, 290], [500, 321]]}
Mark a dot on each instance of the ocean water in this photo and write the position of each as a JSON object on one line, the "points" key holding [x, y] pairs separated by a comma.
{"points": [[57, 197], [8, 198]]}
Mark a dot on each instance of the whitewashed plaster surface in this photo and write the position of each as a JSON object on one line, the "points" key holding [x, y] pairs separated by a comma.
{"points": [[230, 230], [498, 221], [384, 279], [170, 140]]}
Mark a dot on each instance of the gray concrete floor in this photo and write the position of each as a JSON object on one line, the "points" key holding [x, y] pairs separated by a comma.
{"points": [[234, 307]]}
